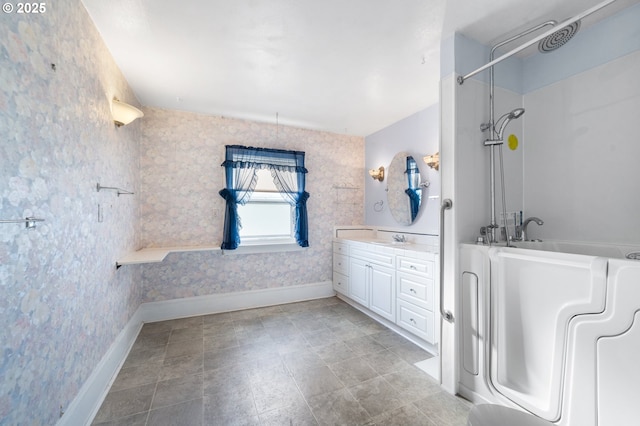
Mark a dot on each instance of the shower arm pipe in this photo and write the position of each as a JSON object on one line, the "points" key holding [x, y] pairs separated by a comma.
{"points": [[491, 57], [493, 225], [535, 40]]}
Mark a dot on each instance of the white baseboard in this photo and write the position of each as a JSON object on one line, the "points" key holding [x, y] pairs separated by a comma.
{"points": [[227, 302], [86, 404]]}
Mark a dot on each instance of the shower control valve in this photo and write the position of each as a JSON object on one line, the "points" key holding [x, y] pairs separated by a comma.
{"points": [[485, 230]]}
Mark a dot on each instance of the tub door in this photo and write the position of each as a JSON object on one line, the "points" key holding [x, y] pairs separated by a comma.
{"points": [[603, 376], [534, 297]]}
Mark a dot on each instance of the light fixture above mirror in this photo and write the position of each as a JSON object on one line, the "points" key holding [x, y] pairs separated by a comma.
{"points": [[433, 160], [124, 113], [377, 174]]}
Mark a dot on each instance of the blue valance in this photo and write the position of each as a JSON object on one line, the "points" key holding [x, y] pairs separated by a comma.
{"points": [[244, 157]]}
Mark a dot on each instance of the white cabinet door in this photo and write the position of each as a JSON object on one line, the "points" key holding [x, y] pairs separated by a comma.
{"points": [[358, 281], [383, 291]]}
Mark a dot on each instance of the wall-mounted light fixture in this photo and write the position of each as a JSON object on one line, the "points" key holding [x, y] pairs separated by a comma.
{"points": [[123, 113], [433, 160], [377, 174]]}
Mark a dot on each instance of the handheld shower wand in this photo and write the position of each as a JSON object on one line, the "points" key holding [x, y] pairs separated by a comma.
{"points": [[516, 113], [506, 118]]}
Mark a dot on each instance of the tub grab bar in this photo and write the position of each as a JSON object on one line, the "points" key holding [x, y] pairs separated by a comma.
{"points": [[446, 205], [29, 222]]}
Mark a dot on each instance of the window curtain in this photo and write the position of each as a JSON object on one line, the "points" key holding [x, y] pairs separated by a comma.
{"points": [[413, 189], [288, 172]]}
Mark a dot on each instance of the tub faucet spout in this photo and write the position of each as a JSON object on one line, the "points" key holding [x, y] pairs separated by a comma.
{"points": [[528, 220]]}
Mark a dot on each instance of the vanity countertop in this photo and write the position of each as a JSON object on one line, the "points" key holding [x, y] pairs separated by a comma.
{"points": [[391, 247]]}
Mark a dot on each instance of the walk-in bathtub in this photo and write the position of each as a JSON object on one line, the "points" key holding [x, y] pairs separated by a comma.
{"points": [[552, 328]]}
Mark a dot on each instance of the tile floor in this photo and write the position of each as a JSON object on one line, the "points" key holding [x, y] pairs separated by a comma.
{"points": [[320, 362]]}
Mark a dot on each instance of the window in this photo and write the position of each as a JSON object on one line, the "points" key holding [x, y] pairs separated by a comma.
{"points": [[265, 195], [267, 217]]}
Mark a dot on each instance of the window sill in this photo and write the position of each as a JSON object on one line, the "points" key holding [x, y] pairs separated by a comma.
{"points": [[263, 248]]}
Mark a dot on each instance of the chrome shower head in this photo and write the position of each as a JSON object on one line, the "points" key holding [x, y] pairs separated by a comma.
{"points": [[558, 38], [515, 114]]}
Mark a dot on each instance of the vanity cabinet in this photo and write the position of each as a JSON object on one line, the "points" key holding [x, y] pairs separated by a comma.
{"points": [[396, 284]]}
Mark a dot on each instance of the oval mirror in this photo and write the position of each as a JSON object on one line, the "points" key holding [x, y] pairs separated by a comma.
{"points": [[404, 193]]}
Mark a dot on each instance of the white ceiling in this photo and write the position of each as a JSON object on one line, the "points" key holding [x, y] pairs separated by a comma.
{"points": [[345, 66]]}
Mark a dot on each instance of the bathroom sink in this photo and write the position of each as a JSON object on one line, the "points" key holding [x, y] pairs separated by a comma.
{"points": [[391, 243], [378, 242]]}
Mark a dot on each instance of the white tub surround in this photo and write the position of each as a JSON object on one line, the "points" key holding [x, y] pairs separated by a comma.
{"points": [[391, 281]]}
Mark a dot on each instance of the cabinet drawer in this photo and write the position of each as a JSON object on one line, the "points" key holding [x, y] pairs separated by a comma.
{"points": [[341, 264], [375, 257], [341, 283], [341, 248], [415, 289], [416, 320], [416, 266]]}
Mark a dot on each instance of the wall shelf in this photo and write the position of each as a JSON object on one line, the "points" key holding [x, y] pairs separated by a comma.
{"points": [[157, 254], [344, 194], [346, 186]]}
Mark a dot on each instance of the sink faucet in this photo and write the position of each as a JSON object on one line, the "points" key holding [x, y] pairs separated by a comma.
{"points": [[537, 220], [399, 238]]}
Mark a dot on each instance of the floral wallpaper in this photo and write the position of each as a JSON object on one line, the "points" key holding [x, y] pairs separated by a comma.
{"points": [[180, 171], [63, 302]]}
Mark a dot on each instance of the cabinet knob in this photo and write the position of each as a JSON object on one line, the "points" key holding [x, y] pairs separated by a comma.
{"points": [[412, 267], [412, 290], [412, 320]]}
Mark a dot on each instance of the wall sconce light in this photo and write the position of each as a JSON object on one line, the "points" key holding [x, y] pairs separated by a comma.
{"points": [[433, 161], [377, 174], [123, 113]]}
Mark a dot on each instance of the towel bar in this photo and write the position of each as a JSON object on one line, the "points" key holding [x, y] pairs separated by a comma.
{"points": [[29, 222], [120, 191]]}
